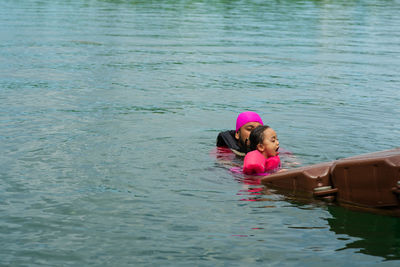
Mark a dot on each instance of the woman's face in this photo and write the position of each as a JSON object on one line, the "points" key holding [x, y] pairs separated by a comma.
{"points": [[244, 132]]}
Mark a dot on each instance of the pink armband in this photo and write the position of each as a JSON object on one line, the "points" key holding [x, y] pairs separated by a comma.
{"points": [[256, 163], [273, 163]]}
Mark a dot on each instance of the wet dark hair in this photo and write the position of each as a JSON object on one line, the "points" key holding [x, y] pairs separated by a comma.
{"points": [[257, 136]]}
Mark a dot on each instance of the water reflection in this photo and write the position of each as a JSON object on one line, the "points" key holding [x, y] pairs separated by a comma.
{"points": [[367, 233], [379, 235], [376, 235]]}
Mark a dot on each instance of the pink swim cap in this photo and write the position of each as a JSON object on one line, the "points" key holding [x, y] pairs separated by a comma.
{"points": [[246, 117]]}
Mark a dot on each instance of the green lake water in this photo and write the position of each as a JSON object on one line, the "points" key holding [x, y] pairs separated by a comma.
{"points": [[109, 111]]}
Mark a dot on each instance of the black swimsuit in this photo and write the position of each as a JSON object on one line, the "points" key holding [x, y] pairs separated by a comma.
{"points": [[227, 139]]}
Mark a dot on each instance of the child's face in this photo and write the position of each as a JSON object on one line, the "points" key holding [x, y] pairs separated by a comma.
{"points": [[270, 145]]}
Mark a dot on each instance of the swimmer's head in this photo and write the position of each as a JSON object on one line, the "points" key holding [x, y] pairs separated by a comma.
{"points": [[265, 140], [247, 117], [245, 123]]}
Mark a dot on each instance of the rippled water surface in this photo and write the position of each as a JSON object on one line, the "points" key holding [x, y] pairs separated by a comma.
{"points": [[109, 111]]}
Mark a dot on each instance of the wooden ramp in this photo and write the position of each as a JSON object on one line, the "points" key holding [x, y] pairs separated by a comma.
{"points": [[370, 181]]}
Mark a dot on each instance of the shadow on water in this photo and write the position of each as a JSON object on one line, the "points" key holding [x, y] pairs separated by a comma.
{"points": [[379, 235]]}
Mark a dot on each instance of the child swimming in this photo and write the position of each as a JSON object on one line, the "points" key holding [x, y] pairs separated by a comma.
{"points": [[264, 146]]}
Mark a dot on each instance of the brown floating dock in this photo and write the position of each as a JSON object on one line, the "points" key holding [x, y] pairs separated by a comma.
{"points": [[368, 182]]}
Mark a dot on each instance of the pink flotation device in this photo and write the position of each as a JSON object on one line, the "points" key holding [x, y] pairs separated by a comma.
{"points": [[256, 163]]}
